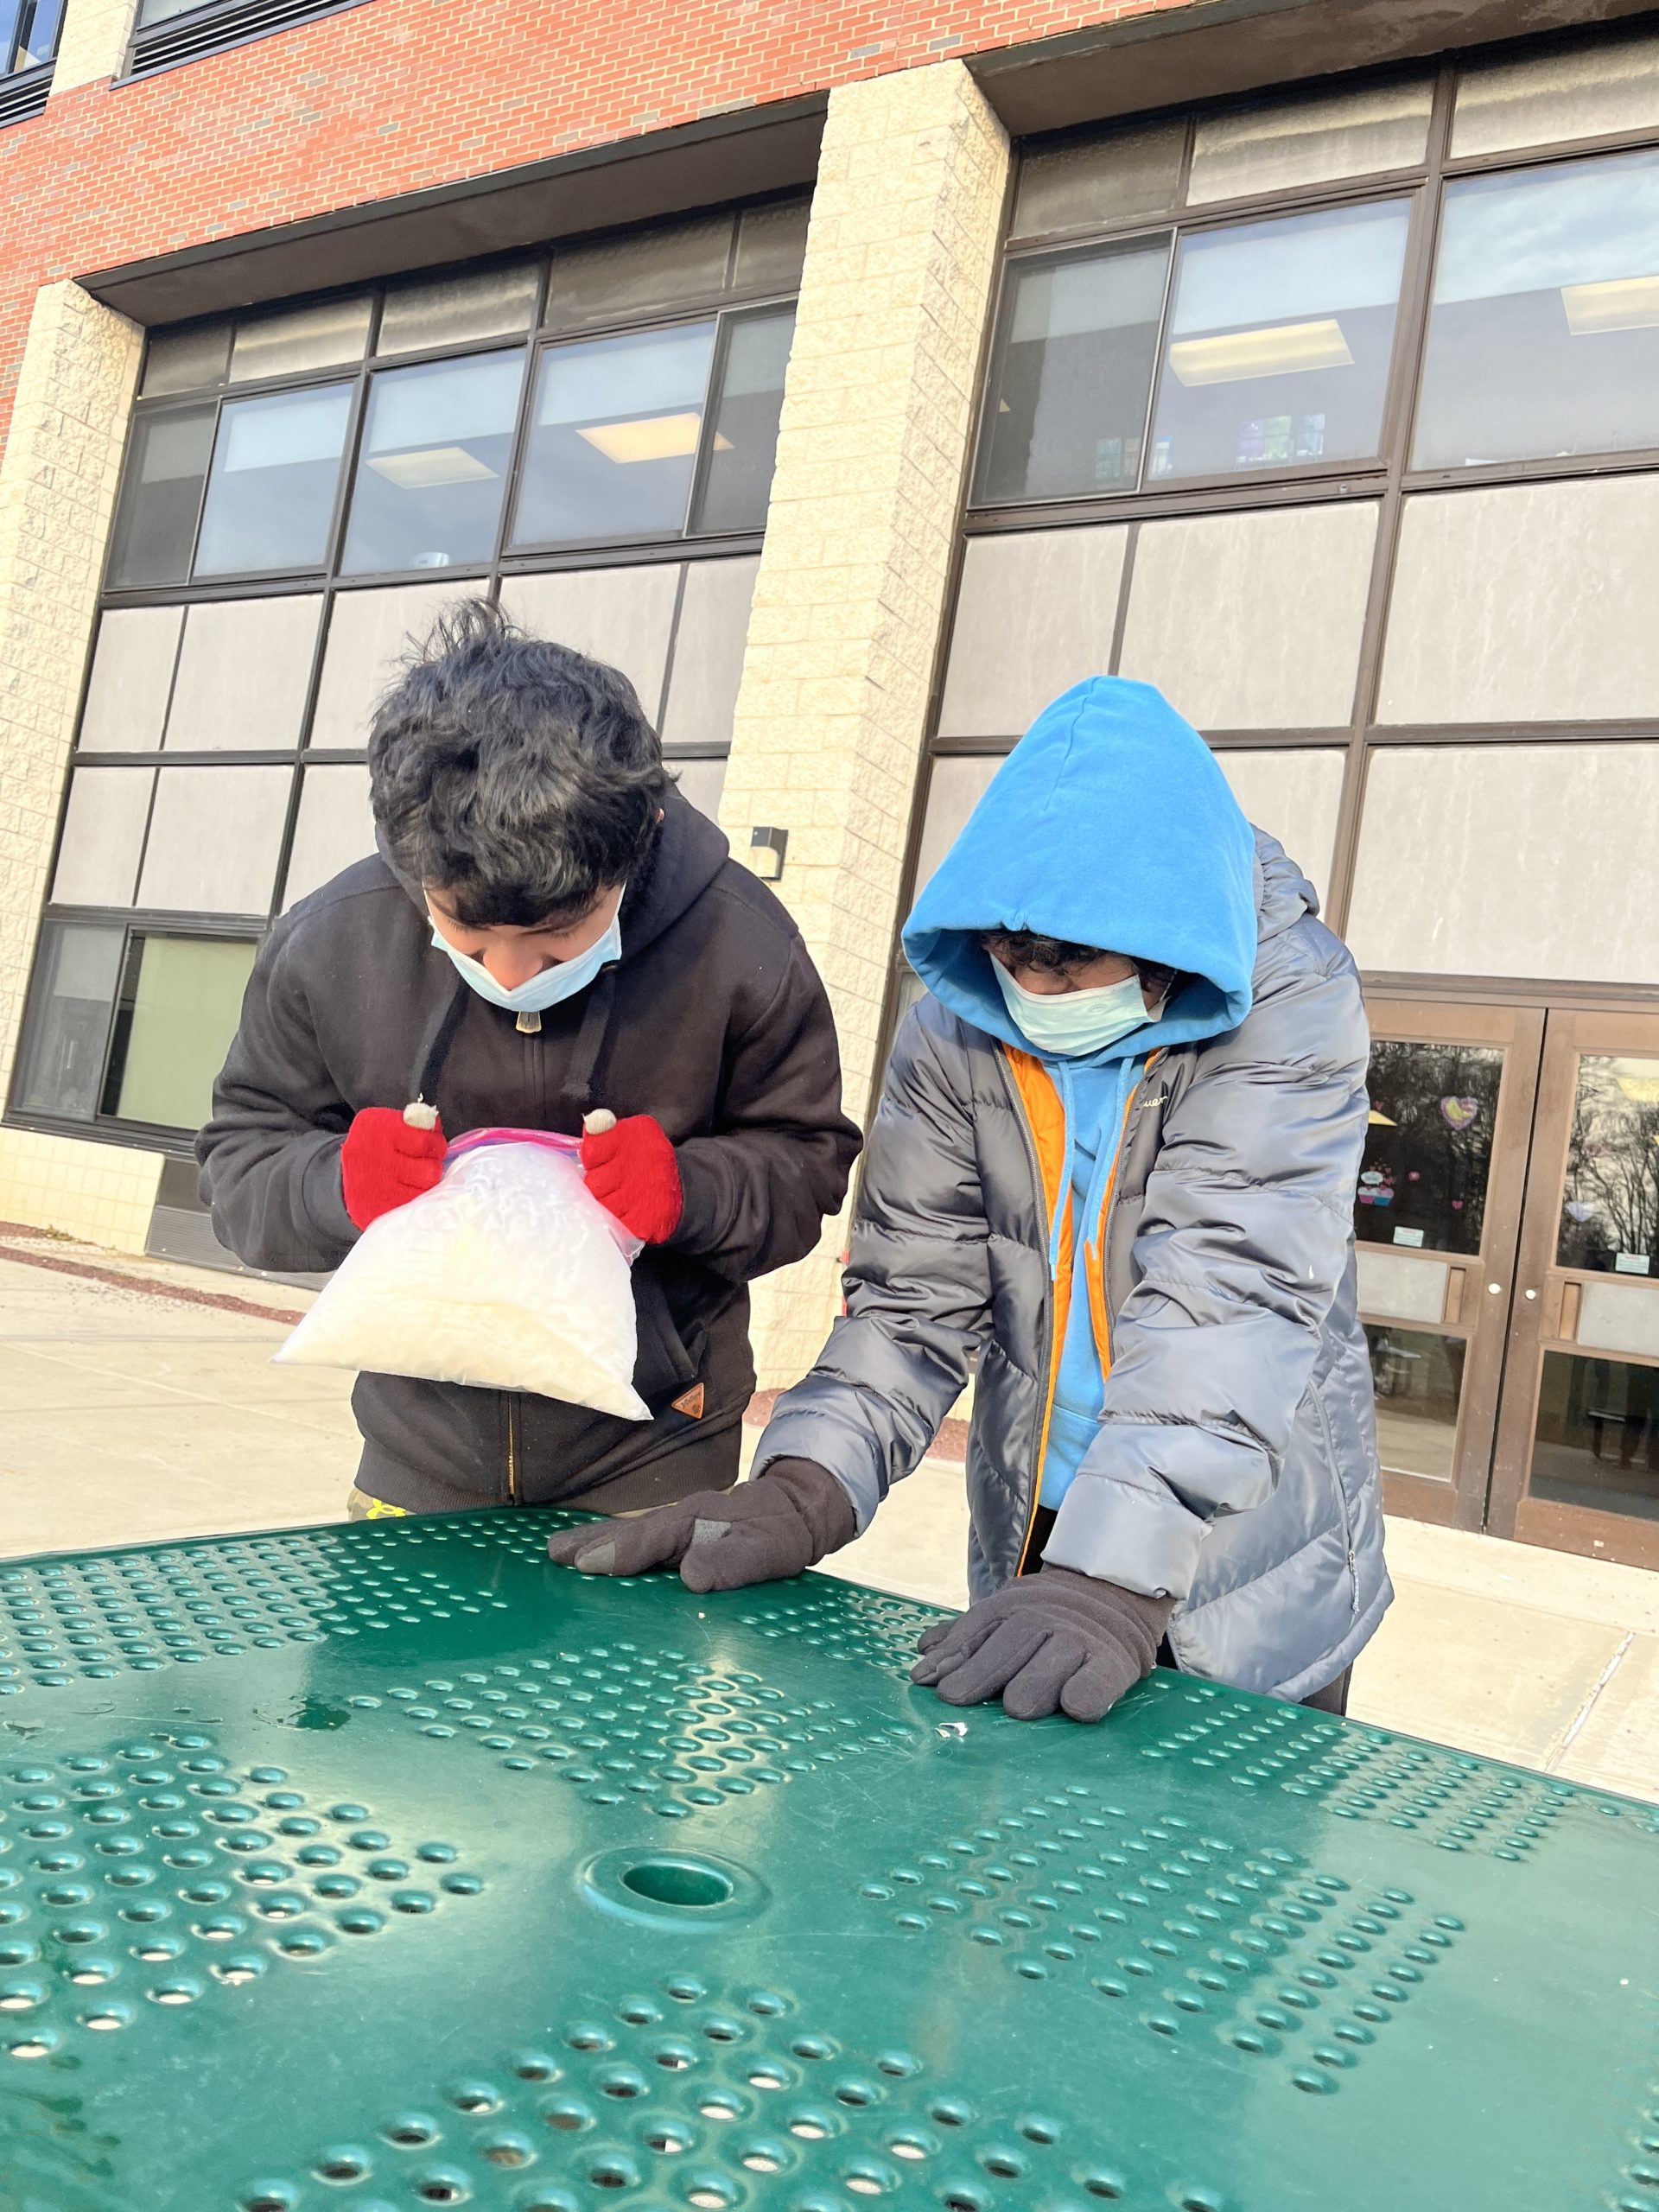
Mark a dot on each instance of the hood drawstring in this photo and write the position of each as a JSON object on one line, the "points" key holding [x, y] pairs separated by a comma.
{"points": [[434, 1045], [577, 1088]]}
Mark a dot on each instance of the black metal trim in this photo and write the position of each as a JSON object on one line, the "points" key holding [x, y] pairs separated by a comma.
{"points": [[23, 94], [215, 29]]}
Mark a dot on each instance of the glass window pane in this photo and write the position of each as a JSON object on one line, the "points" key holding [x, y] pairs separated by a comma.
{"points": [[1035, 614], [1560, 573], [1596, 1443], [1253, 621], [955, 787], [739, 477], [186, 360], [68, 1020], [433, 464], [214, 839], [1544, 334], [619, 277], [622, 616], [40, 22], [1311, 140], [701, 782], [102, 837], [1418, 1383], [1610, 1209], [322, 337], [1099, 180], [1295, 795], [615, 436], [131, 679], [1508, 860], [1281, 336], [771, 244], [1610, 84], [1429, 1147], [244, 673], [369, 632], [489, 303], [713, 628], [180, 1001], [161, 494], [1065, 409], [271, 497], [334, 828]]}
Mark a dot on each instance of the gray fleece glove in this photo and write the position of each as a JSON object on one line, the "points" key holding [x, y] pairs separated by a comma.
{"points": [[763, 1531], [1051, 1642]]}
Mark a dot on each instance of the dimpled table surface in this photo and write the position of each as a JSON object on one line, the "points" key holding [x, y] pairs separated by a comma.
{"points": [[390, 1866]]}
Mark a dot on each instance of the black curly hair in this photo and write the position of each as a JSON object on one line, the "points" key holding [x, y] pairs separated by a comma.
{"points": [[517, 777]]}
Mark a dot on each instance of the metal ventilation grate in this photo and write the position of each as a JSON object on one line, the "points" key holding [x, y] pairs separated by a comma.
{"points": [[178, 39], [24, 94]]}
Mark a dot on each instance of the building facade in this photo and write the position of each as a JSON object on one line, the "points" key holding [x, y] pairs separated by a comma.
{"points": [[856, 380]]}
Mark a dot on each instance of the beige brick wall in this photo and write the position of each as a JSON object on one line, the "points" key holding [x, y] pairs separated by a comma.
{"points": [[876, 427], [57, 494], [103, 1193], [93, 44]]}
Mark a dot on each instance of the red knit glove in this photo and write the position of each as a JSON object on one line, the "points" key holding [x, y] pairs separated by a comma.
{"points": [[384, 1163], [632, 1171]]}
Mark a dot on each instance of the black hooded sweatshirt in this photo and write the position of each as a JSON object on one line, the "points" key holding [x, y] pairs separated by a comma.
{"points": [[714, 1021]]}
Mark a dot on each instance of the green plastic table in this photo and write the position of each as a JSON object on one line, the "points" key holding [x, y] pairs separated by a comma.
{"points": [[391, 1866]]}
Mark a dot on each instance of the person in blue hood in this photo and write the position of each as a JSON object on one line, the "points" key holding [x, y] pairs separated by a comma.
{"points": [[1112, 1176]]}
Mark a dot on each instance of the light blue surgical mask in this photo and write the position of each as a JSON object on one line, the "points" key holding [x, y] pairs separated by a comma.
{"points": [[553, 986], [1076, 1023]]}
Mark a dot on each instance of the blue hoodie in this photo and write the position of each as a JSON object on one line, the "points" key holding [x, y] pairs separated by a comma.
{"points": [[1109, 824]]}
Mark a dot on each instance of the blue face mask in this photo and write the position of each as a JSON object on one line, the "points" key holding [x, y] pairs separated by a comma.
{"points": [[553, 986], [1076, 1023]]}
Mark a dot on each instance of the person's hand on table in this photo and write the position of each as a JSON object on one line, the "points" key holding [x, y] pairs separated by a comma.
{"points": [[386, 1160], [1051, 1643], [631, 1169], [765, 1531]]}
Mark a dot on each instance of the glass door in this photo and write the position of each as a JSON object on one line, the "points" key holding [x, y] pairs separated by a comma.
{"points": [[1578, 1446], [1437, 1218]]}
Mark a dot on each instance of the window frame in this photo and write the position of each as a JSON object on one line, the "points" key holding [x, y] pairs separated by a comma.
{"points": [[328, 584], [1389, 480], [134, 922]]}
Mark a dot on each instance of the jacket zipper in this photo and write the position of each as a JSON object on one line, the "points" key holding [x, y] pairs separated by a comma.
{"points": [[1036, 1167], [514, 1498]]}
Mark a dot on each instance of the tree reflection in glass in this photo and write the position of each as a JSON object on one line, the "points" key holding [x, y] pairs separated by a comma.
{"points": [[1609, 1208], [1429, 1148]]}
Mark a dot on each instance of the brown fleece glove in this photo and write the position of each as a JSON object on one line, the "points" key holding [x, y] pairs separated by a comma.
{"points": [[763, 1531], [1051, 1642]]}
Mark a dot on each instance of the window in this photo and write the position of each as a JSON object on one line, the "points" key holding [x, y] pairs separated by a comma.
{"points": [[176, 1014], [1067, 410], [270, 491], [295, 478], [1280, 335], [433, 468], [129, 1026], [615, 436], [744, 448], [1544, 336], [28, 33], [62, 1067]]}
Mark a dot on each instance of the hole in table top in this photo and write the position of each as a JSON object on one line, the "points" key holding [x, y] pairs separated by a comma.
{"points": [[679, 1882]]}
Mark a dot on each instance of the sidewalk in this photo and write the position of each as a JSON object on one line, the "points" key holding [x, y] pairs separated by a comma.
{"points": [[138, 1404]]}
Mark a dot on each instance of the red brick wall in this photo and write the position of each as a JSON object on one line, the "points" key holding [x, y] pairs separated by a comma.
{"points": [[399, 94]]}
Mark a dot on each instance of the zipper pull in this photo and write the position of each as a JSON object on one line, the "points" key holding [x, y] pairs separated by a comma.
{"points": [[530, 1025]]}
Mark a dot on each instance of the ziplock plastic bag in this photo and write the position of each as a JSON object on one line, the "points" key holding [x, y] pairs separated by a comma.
{"points": [[506, 1275]]}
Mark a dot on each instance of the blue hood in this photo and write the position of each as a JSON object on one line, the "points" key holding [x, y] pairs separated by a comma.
{"points": [[1109, 824]]}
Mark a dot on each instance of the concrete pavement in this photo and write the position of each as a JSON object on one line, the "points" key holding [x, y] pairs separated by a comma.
{"points": [[138, 1404]]}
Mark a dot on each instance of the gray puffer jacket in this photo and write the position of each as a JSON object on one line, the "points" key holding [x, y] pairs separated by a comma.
{"points": [[1236, 1465]]}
